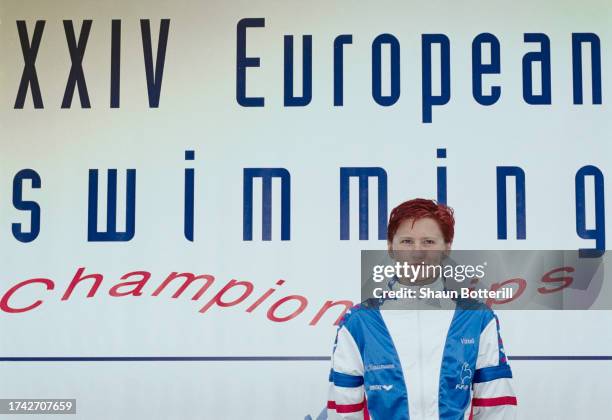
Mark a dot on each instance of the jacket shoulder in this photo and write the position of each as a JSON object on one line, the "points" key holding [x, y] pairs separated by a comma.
{"points": [[359, 311]]}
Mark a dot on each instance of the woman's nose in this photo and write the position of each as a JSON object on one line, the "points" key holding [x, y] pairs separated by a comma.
{"points": [[418, 252]]}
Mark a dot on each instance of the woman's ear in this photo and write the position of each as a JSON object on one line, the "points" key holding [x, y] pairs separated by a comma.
{"points": [[447, 249], [390, 250]]}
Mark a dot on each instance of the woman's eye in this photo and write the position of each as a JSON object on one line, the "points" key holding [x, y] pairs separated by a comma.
{"points": [[406, 241]]}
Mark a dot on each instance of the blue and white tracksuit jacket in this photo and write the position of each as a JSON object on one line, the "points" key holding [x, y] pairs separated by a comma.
{"points": [[420, 364]]}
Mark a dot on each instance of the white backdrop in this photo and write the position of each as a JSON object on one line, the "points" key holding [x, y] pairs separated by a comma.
{"points": [[198, 111]]}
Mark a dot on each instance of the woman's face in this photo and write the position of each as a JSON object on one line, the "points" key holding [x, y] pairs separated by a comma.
{"points": [[419, 241]]}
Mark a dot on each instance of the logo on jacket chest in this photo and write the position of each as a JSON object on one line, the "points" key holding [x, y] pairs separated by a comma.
{"points": [[466, 377], [381, 366], [381, 387]]}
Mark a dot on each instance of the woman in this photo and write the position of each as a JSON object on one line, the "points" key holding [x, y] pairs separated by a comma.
{"points": [[420, 364]]}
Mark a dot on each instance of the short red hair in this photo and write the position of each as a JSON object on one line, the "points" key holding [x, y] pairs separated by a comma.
{"points": [[421, 208]]}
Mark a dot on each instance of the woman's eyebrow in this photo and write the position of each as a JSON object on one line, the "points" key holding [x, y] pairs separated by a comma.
{"points": [[422, 238]]}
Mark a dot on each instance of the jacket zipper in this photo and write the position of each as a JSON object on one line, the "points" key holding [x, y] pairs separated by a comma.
{"points": [[421, 363]]}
